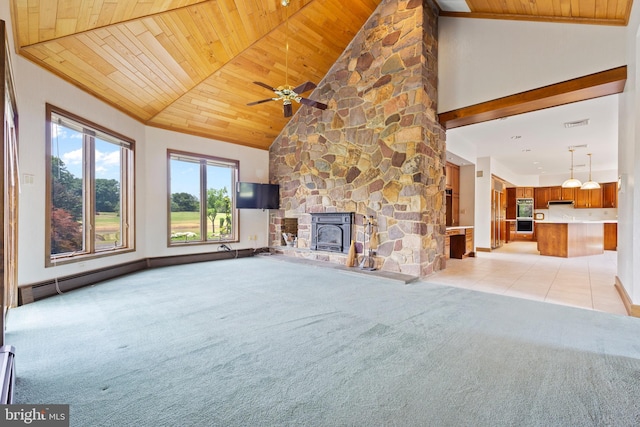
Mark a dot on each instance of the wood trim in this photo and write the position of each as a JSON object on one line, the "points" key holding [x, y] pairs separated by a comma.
{"points": [[632, 309], [604, 83], [539, 18], [478, 249], [37, 291]]}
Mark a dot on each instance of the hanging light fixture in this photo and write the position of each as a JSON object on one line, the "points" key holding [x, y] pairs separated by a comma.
{"points": [[571, 182], [590, 185]]}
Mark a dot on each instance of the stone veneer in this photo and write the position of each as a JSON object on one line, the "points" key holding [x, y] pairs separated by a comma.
{"points": [[377, 150]]}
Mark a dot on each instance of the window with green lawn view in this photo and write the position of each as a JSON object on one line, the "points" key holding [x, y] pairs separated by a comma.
{"points": [[201, 208], [90, 189]]}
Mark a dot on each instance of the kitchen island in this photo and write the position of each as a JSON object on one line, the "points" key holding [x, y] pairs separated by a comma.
{"points": [[570, 239]]}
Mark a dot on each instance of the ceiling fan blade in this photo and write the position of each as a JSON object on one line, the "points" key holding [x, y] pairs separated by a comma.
{"points": [[304, 87], [264, 85], [312, 103], [288, 110], [260, 102]]}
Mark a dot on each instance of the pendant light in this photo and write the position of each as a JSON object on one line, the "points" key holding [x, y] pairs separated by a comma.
{"points": [[571, 182], [590, 185]]}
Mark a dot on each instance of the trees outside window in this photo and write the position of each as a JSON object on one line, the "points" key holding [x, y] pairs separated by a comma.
{"points": [[89, 188], [194, 178]]}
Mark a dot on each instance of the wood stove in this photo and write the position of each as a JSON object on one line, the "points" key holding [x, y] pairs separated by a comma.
{"points": [[331, 231]]}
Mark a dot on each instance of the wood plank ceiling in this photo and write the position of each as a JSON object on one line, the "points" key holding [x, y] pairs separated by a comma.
{"points": [[188, 65], [599, 12]]}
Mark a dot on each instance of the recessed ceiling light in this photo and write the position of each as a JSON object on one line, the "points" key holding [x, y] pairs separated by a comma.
{"points": [[536, 163]]}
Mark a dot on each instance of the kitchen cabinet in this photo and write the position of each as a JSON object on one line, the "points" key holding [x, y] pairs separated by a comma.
{"points": [[610, 195], [568, 194], [455, 209], [541, 197], [511, 203], [468, 232], [452, 180], [559, 193], [459, 242], [570, 239], [453, 183], [589, 198], [610, 236], [524, 192]]}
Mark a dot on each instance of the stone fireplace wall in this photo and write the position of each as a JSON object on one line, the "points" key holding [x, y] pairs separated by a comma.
{"points": [[377, 150]]}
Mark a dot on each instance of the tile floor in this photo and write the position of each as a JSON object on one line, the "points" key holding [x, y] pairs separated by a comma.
{"points": [[517, 269]]}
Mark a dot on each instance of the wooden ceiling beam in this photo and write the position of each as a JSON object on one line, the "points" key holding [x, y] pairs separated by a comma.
{"points": [[595, 85]]}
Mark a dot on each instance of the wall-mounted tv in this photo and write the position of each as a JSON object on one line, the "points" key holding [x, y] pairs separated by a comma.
{"points": [[251, 195]]}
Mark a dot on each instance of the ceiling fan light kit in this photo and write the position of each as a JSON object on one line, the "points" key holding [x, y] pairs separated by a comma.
{"points": [[287, 93], [572, 182]]}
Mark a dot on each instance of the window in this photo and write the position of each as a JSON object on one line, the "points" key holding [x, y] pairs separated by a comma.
{"points": [[89, 188], [195, 178]]}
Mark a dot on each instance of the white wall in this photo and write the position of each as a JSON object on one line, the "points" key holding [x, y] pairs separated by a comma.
{"points": [[629, 167], [35, 87], [254, 167], [481, 60], [467, 194], [598, 176], [482, 223]]}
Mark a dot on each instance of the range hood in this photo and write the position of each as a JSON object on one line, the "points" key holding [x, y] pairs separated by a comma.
{"points": [[560, 202]]}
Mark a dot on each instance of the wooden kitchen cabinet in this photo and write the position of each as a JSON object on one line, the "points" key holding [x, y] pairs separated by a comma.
{"points": [[610, 236], [541, 197], [459, 242], [469, 240], [511, 203], [568, 194], [524, 192], [610, 195], [452, 177], [455, 209], [589, 198]]}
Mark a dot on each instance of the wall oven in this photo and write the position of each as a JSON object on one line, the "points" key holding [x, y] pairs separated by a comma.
{"points": [[524, 225], [524, 215]]}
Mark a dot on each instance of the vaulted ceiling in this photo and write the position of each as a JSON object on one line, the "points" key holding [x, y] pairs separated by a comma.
{"points": [[188, 65]]}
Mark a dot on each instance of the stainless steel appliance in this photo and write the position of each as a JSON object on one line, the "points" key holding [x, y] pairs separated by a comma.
{"points": [[524, 215]]}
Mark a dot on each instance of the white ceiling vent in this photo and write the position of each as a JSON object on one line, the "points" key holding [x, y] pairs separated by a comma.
{"points": [[577, 123]]}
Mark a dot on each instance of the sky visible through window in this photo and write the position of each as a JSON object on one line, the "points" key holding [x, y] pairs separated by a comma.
{"points": [[108, 163]]}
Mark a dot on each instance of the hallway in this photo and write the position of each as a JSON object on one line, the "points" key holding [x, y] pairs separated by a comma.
{"points": [[517, 270]]}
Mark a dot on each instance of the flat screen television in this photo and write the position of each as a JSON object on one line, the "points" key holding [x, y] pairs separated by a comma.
{"points": [[252, 195]]}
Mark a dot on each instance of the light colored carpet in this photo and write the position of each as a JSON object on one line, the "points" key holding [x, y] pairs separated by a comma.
{"points": [[254, 342]]}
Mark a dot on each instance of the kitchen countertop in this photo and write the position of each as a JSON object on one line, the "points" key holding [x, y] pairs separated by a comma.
{"points": [[459, 227], [577, 221]]}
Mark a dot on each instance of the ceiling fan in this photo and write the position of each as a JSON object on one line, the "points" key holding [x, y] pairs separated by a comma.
{"points": [[287, 93]]}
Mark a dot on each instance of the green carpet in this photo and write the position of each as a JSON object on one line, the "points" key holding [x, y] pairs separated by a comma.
{"points": [[256, 342]]}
